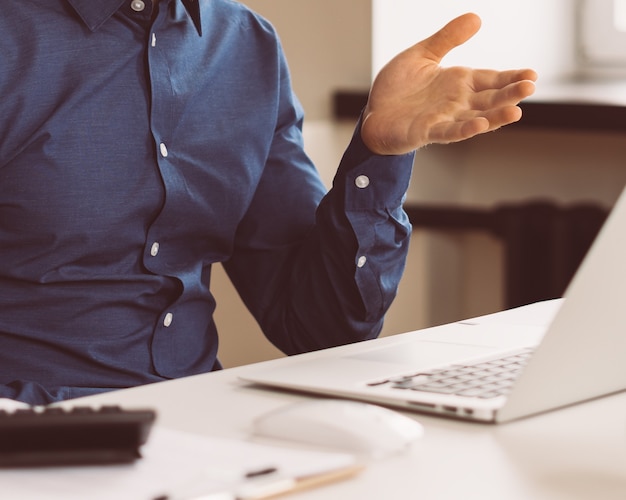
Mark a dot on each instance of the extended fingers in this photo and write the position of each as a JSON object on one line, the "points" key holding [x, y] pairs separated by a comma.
{"points": [[500, 117], [509, 95], [456, 131], [462, 129], [486, 79]]}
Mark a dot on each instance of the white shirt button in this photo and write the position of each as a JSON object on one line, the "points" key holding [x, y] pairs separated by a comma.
{"points": [[167, 320], [163, 149], [137, 5], [362, 181], [153, 43], [154, 249], [362, 260]]}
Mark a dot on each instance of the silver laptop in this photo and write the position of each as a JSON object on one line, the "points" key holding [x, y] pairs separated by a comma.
{"points": [[455, 369]]}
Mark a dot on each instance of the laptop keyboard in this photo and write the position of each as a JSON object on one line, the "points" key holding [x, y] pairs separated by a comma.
{"points": [[485, 379]]}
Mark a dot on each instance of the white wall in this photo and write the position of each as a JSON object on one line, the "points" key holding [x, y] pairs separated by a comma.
{"points": [[602, 26], [532, 33]]}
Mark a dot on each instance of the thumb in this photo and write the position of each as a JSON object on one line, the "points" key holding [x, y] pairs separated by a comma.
{"points": [[455, 33]]}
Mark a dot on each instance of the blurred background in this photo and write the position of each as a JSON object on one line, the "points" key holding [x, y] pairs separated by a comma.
{"points": [[567, 153]]}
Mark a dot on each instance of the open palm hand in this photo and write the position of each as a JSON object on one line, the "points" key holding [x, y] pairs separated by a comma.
{"points": [[414, 101]]}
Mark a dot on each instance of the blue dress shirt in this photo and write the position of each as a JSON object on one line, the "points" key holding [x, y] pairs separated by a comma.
{"points": [[138, 148]]}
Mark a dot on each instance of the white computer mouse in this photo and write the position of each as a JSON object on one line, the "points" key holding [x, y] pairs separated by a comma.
{"points": [[349, 426]]}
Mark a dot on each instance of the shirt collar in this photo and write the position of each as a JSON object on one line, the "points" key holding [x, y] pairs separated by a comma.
{"points": [[95, 13]]}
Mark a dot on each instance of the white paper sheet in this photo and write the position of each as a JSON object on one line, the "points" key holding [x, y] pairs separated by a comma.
{"points": [[174, 464]]}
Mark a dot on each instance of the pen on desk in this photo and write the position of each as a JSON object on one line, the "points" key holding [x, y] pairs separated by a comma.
{"points": [[280, 485], [269, 483], [261, 472]]}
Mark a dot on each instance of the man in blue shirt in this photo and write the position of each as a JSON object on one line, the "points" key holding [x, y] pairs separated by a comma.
{"points": [[141, 142]]}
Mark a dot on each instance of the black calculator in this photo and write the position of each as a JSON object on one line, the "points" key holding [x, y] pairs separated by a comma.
{"points": [[82, 435]]}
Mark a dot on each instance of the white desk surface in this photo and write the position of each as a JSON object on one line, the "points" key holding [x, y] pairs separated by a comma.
{"points": [[574, 453]]}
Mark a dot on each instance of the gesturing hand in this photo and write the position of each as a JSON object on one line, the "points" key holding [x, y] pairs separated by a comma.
{"points": [[414, 101]]}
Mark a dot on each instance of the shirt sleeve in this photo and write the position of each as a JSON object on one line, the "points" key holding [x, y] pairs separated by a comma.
{"points": [[321, 269]]}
